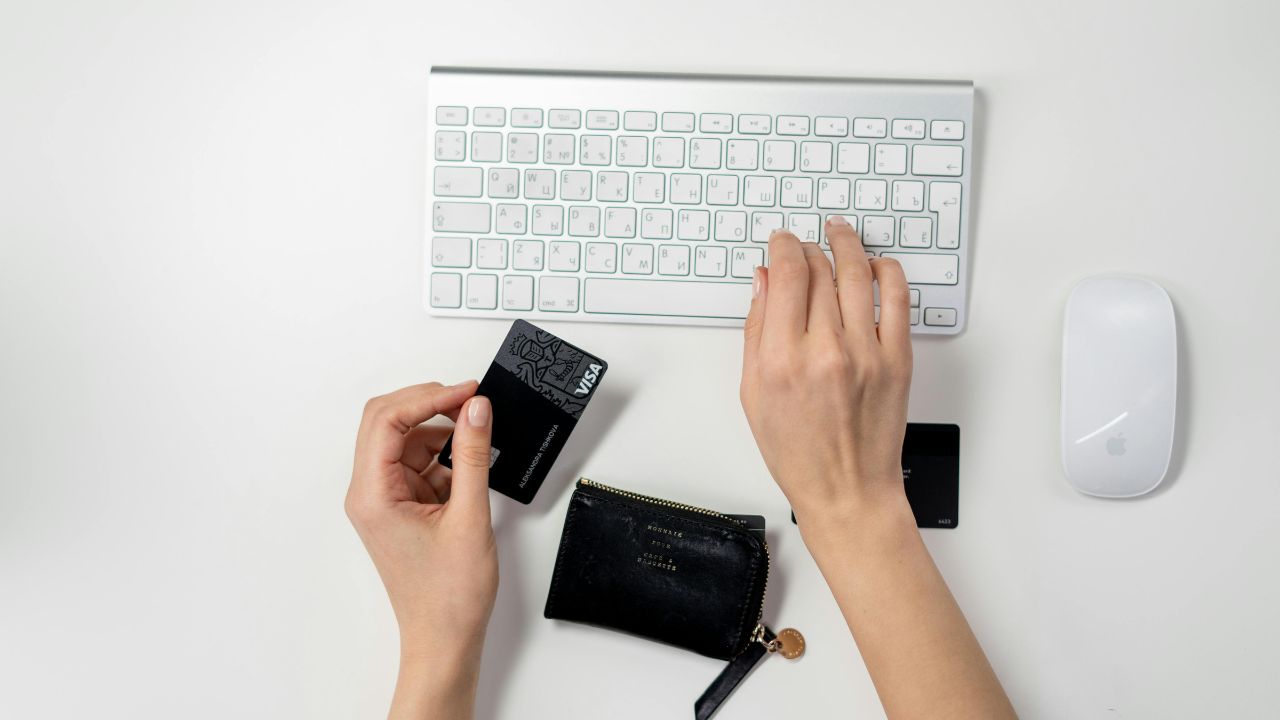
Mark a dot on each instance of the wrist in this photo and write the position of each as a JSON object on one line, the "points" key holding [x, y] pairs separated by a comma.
{"points": [[860, 521]]}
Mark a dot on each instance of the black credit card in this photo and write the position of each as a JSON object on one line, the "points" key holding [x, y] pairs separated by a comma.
{"points": [[931, 474], [539, 386], [754, 523]]}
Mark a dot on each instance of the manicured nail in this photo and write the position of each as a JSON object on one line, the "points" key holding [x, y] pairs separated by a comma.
{"points": [[478, 411], [755, 283], [837, 221]]}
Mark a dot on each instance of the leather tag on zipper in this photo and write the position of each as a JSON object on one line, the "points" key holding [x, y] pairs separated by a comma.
{"points": [[728, 680]]}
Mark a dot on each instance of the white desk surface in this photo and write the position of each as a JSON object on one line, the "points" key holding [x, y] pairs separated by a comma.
{"points": [[210, 227]]}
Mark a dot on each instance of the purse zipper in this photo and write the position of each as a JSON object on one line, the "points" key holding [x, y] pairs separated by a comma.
{"points": [[758, 634]]}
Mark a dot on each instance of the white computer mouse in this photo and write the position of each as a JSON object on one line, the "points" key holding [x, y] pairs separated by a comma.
{"points": [[1119, 385]]}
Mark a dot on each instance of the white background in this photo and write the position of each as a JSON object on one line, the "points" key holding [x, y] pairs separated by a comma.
{"points": [[210, 226]]}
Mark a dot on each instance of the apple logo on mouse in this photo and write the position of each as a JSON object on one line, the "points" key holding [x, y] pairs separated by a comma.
{"points": [[1115, 445]]}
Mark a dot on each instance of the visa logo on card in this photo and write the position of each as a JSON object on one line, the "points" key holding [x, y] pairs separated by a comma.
{"points": [[539, 386]]}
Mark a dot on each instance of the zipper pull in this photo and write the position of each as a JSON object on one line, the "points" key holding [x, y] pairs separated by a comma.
{"points": [[763, 643]]}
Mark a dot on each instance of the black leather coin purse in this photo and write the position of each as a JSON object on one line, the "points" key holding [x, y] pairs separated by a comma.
{"points": [[670, 572]]}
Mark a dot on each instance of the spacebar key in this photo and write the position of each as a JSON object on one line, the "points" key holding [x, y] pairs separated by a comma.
{"points": [[928, 268], [667, 298]]}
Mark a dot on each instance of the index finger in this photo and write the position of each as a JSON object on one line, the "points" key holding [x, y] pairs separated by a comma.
{"points": [[388, 418], [786, 312]]}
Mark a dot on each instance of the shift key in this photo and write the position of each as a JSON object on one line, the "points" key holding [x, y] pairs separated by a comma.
{"points": [[928, 268], [460, 217]]}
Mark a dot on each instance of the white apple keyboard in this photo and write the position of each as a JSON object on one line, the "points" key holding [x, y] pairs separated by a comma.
{"points": [[637, 198]]}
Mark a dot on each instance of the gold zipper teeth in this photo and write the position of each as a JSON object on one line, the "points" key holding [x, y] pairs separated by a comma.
{"points": [[768, 559]]}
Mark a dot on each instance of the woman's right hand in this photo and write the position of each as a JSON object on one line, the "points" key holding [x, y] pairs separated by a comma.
{"points": [[824, 388]]}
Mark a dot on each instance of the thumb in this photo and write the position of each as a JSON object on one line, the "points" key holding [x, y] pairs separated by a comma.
{"points": [[754, 325], [469, 488]]}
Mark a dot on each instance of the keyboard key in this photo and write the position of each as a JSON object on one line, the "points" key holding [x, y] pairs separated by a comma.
{"points": [[668, 152], [704, 153], [548, 220], [915, 297], [655, 224], [755, 124], [780, 155], [527, 255], [908, 195], [584, 221], [482, 292], [491, 254], [742, 155], [504, 183], [620, 222], [486, 147], [763, 224], [731, 226], [722, 189], [694, 225], [611, 186], [673, 259], [460, 217], [565, 119], [806, 226], [716, 123], [490, 117], [557, 149], [877, 231], [563, 256], [451, 145], [509, 218], [917, 232], [517, 292], [526, 117], [602, 119], [649, 187], [944, 199], [666, 298], [686, 189], [557, 293], [946, 130], [831, 126], [522, 147], [793, 125], [637, 121], [915, 315], [596, 149], [451, 115], [833, 193], [575, 184], [937, 160], [815, 157], [453, 252], [677, 122], [637, 259], [540, 184], [797, 192], [891, 159], [869, 194], [940, 316], [602, 257], [908, 129], [458, 181], [853, 158], [759, 190], [633, 151], [869, 127], [710, 261], [446, 290], [743, 262], [928, 268]]}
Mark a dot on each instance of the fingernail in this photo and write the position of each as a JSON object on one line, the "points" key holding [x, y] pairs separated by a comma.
{"points": [[838, 221], [775, 231], [478, 412], [755, 283]]}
